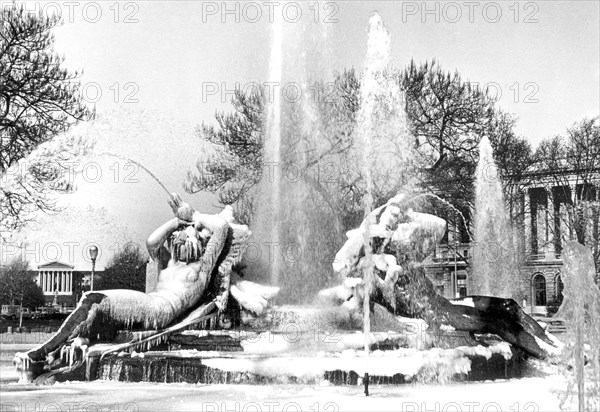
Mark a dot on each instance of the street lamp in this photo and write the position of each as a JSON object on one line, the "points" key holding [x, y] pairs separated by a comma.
{"points": [[93, 256]]}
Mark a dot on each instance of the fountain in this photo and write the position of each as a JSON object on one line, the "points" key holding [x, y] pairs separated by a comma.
{"points": [[206, 324], [581, 306], [495, 258], [292, 192], [268, 214]]}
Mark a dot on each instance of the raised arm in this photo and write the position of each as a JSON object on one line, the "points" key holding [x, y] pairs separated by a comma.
{"points": [[156, 240], [220, 230], [218, 227], [183, 214]]}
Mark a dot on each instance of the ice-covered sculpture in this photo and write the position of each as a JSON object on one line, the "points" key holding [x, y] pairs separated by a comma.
{"points": [[196, 254], [399, 240]]}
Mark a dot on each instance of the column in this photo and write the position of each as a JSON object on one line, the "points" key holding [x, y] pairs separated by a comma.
{"points": [[70, 282], [63, 277], [542, 223], [572, 218], [551, 249], [527, 219]]}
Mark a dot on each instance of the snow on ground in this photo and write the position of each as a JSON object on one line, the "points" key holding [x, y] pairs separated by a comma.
{"points": [[528, 394], [538, 392]]}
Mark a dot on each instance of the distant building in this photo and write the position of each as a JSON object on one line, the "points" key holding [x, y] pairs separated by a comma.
{"points": [[543, 225], [62, 284]]}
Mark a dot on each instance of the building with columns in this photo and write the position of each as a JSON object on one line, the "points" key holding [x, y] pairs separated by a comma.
{"points": [[61, 283], [56, 277], [550, 210]]}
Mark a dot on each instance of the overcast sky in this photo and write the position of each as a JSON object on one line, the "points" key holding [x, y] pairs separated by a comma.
{"points": [[546, 63], [151, 60]]}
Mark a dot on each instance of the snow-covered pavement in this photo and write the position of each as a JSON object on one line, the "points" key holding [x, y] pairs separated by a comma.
{"points": [[527, 394]]}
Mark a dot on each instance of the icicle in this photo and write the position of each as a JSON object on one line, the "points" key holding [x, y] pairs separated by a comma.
{"points": [[88, 371]]}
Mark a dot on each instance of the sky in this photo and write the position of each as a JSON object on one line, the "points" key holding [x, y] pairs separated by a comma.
{"points": [[154, 70], [545, 65]]}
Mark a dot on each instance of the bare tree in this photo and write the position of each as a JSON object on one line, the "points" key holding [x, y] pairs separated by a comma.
{"points": [[234, 164], [18, 287], [38, 100], [448, 115], [126, 269], [569, 169]]}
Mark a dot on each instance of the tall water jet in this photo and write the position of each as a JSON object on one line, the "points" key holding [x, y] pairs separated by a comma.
{"points": [[495, 257], [381, 131], [267, 221], [385, 149], [273, 140], [381, 134], [297, 222], [290, 225]]}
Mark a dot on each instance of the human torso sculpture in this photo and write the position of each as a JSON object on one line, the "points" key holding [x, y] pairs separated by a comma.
{"points": [[195, 254]]}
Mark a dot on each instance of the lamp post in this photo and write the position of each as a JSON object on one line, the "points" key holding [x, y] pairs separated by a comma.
{"points": [[93, 256]]}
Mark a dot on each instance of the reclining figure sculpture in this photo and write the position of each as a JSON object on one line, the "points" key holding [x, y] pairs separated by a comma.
{"points": [[196, 254], [399, 240]]}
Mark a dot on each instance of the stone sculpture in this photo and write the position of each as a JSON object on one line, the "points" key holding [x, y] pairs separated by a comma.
{"points": [[196, 254]]}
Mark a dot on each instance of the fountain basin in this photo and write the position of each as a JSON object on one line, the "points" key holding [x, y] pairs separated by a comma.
{"points": [[345, 368], [281, 362]]}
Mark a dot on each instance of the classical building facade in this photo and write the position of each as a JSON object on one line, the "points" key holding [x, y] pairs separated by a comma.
{"points": [[550, 210], [61, 283]]}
